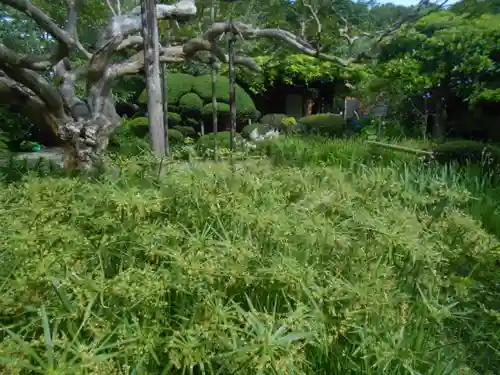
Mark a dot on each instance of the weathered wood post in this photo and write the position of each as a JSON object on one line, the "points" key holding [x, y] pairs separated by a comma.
{"points": [[152, 70]]}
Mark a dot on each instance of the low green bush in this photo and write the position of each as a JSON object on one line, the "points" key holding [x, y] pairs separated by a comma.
{"points": [[464, 152], [178, 84], [174, 119], [138, 126], [222, 109], [175, 137], [327, 124], [223, 139], [187, 131], [244, 103], [190, 105]]}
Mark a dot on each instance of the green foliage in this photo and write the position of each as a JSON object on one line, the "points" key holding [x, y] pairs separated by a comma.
{"points": [[187, 131], [174, 119], [191, 122], [280, 122], [261, 129], [326, 124], [464, 152], [175, 137], [222, 109], [274, 120], [179, 84], [223, 139], [130, 139], [14, 128], [190, 105], [245, 107], [138, 126], [296, 68], [183, 268]]}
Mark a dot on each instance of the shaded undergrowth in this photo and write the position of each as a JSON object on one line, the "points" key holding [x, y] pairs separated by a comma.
{"points": [[314, 264]]}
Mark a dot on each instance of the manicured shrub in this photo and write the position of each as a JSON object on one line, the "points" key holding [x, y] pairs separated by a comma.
{"points": [[175, 137], [464, 151], [138, 127], [222, 109], [174, 119], [326, 124], [207, 141], [124, 142], [179, 84], [187, 131], [190, 105], [245, 107]]}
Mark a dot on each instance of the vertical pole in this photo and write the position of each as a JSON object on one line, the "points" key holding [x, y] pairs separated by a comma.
{"points": [[232, 86], [214, 99], [164, 95], [152, 70]]}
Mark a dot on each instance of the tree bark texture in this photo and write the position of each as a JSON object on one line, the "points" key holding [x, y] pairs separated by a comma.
{"points": [[232, 88], [153, 83]]}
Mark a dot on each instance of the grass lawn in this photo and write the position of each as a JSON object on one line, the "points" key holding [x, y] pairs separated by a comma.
{"points": [[327, 258]]}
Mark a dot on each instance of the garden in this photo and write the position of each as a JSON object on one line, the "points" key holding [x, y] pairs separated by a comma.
{"points": [[309, 246]]}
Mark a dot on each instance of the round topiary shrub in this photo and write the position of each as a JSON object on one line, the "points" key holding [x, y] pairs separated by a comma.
{"points": [[175, 137], [190, 105], [326, 124], [138, 126], [222, 109], [187, 131], [207, 141], [464, 152], [178, 85], [174, 119], [245, 108]]}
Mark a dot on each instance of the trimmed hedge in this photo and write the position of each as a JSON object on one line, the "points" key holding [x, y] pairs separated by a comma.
{"points": [[174, 119], [138, 126], [190, 105], [175, 137], [464, 152], [245, 107], [207, 141], [187, 131], [222, 109], [178, 84], [326, 124]]}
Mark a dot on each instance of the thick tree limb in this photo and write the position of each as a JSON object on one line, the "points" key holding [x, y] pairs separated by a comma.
{"points": [[208, 42], [125, 25], [64, 37], [36, 83]]}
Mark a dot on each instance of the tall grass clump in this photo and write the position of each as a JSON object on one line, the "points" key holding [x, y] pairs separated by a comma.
{"points": [[301, 267]]}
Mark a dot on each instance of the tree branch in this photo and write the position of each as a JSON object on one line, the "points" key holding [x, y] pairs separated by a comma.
{"points": [[63, 37], [36, 83]]}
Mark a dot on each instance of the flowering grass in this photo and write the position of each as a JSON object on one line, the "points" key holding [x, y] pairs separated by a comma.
{"points": [[326, 258]]}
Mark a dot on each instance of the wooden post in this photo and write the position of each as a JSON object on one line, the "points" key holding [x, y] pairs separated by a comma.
{"points": [[152, 70], [232, 86], [164, 96], [214, 88]]}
